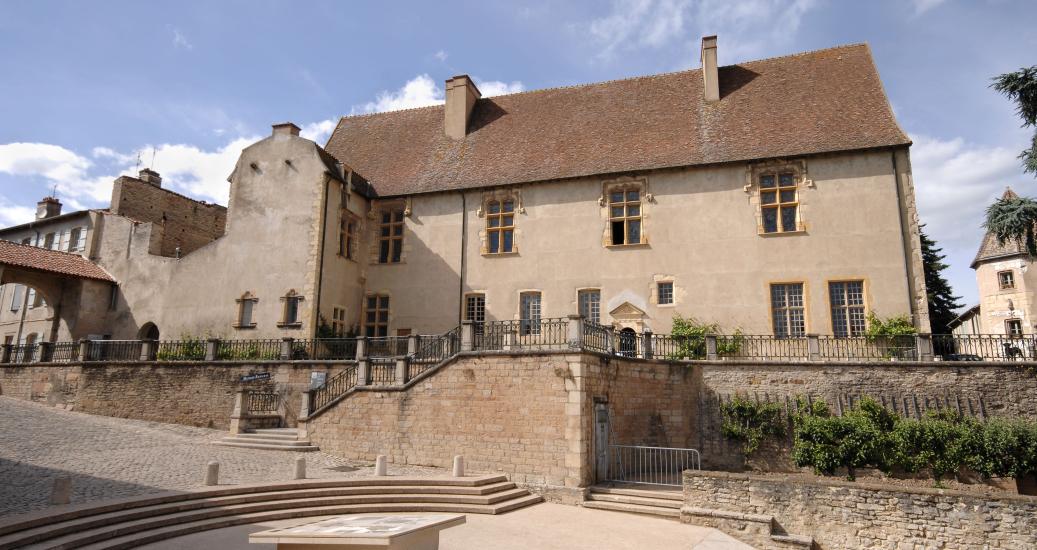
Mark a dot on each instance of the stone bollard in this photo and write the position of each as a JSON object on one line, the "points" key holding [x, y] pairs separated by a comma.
{"points": [[300, 468], [61, 491], [380, 466], [212, 473], [458, 466]]}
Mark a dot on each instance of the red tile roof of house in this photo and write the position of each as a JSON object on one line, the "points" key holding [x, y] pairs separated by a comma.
{"points": [[815, 102], [50, 261]]}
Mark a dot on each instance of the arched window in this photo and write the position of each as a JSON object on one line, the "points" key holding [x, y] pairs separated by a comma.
{"points": [[246, 309]]}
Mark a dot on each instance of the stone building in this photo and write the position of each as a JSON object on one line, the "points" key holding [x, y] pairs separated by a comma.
{"points": [[773, 196]]}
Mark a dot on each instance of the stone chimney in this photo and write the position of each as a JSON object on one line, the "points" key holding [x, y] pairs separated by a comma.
{"points": [[147, 175], [710, 80], [461, 95], [285, 129], [48, 207]]}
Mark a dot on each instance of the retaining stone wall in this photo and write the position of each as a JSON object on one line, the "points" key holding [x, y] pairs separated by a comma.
{"points": [[840, 514]]}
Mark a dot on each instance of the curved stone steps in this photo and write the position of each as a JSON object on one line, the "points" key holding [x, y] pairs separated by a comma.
{"points": [[75, 527]]}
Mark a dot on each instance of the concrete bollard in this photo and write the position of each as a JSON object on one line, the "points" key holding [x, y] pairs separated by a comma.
{"points": [[380, 466], [212, 473], [300, 468], [61, 491], [458, 466]]}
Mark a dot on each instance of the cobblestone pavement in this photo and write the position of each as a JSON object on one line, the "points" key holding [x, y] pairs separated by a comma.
{"points": [[114, 457]]}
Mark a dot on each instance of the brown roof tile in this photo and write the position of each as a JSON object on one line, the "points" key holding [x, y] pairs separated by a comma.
{"points": [[815, 102], [990, 249], [50, 261]]}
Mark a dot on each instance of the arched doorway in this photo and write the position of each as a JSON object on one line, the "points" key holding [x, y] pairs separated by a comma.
{"points": [[148, 332], [628, 342]]}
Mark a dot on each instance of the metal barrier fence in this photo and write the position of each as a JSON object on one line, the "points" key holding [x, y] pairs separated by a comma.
{"points": [[24, 353], [433, 350], [650, 465], [229, 350], [387, 346], [383, 373], [264, 402], [115, 350], [521, 334], [597, 337], [333, 387], [903, 348], [180, 350], [65, 352], [984, 347], [762, 347]]}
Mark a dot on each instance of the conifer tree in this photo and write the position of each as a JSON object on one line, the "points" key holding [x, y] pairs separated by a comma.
{"points": [[942, 301]]}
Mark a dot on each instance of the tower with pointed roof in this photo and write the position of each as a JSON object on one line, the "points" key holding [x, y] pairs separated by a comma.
{"points": [[1006, 282]]}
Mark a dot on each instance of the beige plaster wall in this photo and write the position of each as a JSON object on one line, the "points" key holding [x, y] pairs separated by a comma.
{"points": [[997, 305], [702, 233]]}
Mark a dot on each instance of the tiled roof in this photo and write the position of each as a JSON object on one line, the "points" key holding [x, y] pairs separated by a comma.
{"points": [[990, 249], [815, 102], [50, 261]]}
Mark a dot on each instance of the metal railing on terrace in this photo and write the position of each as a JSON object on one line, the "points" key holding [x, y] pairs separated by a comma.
{"points": [[521, 334]]}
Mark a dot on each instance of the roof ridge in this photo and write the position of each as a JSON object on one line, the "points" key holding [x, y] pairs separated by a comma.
{"points": [[808, 52], [44, 248]]}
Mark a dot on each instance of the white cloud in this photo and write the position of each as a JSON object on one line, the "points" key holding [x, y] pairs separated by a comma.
{"points": [[747, 28], [13, 214], [955, 181], [422, 91], [922, 6], [441, 55], [319, 131], [180, 41]]}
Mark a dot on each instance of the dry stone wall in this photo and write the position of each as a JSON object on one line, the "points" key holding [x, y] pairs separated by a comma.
{"points": [[840, 514]]}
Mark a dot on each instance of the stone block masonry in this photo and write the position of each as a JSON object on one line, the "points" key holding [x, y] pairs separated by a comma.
{"points": [[180, 222], [846, 515]]}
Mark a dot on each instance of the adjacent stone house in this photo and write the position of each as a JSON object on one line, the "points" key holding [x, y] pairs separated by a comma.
{"points": [[773, 196]]}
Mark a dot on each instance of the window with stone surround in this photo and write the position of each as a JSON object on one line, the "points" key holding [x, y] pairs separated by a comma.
{"points": [[347, 235], [788, 310], [779, 202], [849, 317], [665, 292], [589, 302], [1005, 279], [500, 226], [246, 309], [624, 205], [290, 315], [529, 313], [475, 311], [338, 321], [390, 236], [376, 315]]}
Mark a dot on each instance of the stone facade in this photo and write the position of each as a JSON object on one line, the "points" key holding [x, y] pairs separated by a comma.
{"points": [[849, 515]]}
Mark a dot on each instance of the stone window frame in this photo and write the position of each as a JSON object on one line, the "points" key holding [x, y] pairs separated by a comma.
{"points": [[365, 324], [246, 297], [348, 241], [338, 321], [526, 326], [624, 184], [580, 293], [776, 167], [805, 308], [378, 207], [659, 295], [865, 297], [1009, 324], [289, 297], [501, 195], [1001, 280]]}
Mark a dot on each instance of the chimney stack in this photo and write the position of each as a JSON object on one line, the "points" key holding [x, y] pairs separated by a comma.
{"points": [[461, 95], [710, 80], [147, 175], [285, 129], [48, 207]]}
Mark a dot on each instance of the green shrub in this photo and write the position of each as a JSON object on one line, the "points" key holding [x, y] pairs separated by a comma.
{"points": [[899, 325], [854, 440], [190, 349], [942, 442], [690, 337], [750, 422]]}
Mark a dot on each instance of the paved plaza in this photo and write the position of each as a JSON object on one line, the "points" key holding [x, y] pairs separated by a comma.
{"points": [[115, 457]]}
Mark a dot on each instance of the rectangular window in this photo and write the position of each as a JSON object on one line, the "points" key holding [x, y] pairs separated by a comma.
{"points": [[390, 237], [27, 240], [376, 316], [80, 242], [245, 315], [779, 202], [590, 305], [113, 297], [529, 303], [291, 309], [31, 300], [16, 297], [73, 240], [63, 240], [787, 310], [36, 299], [475, 311], [500, 226], [625, 216], [665, 293], [48, 241], [347, 237], [848, 315], [338, 321], [1014, 327], [1005, 279]]}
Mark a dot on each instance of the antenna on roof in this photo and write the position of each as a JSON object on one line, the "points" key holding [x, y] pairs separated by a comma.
{"points": [[54, 191], [152, 167], [138, 161]]}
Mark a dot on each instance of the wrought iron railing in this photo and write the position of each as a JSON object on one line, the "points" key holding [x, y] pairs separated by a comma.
{"points": [[521, 334], [383, 372], [761, 347], [387, 346], [264, 402], [180, 350], [597, 337], [903, 348], [333, 387], [115, 350], [65, 352], [650, 465], [984, 347], [433, 350], [341, 349], [239, 350], [24, 353]]}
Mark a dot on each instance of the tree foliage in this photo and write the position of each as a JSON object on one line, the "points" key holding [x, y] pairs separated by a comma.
{"points": [[750, 423], [941, 298], [1012, 220], [1021, 87]]}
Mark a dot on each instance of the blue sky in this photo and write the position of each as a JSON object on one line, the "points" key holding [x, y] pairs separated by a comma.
{"points": [[86, 86]]}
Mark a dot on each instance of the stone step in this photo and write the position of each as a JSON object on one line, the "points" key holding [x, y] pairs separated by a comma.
{"points": [[643, 501], [633, 508], [265, 447], [267, 437], [276, 431], [493, 491], [260, 441], [675, 494], [138, 532]]}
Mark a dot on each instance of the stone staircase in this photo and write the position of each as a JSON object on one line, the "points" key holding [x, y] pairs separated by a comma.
{"points": [[129, 523], [658, 502], [272, 439]]}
